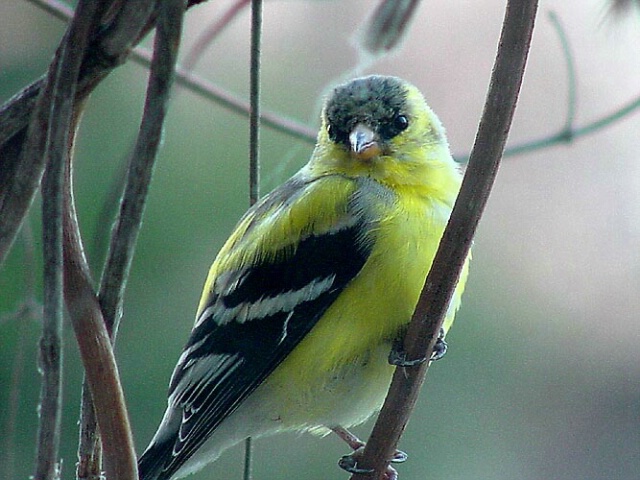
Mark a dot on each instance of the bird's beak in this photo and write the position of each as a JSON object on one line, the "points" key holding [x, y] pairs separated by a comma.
{"points": [[364, 142]]}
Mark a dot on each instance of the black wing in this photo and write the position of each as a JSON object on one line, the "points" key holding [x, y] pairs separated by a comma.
{"points": [[254, 319]]}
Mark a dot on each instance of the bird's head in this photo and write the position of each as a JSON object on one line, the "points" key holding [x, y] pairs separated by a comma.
{"points": [[381, 127]]}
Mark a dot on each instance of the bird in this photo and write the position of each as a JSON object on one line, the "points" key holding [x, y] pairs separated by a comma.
{"points": [[305, 306]]}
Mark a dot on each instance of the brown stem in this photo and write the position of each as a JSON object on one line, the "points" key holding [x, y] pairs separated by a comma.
{"points": [[20, 174], [47, 142], [456, 240], [132, 207], [97, 355]]}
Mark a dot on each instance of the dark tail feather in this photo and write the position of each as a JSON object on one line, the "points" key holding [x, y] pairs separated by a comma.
{"points": [[151, 465]]}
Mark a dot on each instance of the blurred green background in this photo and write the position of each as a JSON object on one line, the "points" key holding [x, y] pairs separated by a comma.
{"points": [[542, 379]]}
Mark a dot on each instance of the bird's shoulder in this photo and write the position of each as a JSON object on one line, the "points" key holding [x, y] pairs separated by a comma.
{"points": [[303, 207]]}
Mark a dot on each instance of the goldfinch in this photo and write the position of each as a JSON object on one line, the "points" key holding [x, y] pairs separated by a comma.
{"points": [[316, 284]]}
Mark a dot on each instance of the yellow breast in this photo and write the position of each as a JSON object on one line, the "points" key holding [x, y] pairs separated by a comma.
{"points": [[345, 354]]}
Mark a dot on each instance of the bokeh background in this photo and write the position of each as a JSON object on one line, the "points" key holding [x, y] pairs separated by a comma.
{"points": [[542, 379]]}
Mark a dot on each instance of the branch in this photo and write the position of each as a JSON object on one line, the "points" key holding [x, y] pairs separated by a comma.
{"points": [[457, 237], [127, 228], [228, 100], [97, 354], [20, 175], [254, 112], [125, 234], [47, 142]]}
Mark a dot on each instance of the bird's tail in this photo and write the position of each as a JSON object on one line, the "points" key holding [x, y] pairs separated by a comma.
{"points": [[151, 464]]}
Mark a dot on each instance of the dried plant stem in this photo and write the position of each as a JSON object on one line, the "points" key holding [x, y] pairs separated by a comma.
{"points": [[456, 241], [123, 26], [97, 355], [254, 150], [48, 138], [101, 373], [254, 113], [89, 466], [127, 227]]}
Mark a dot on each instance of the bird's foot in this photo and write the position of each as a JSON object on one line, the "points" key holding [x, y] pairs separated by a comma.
{"points": [[398, 356], [440, 347], [350, 462]]}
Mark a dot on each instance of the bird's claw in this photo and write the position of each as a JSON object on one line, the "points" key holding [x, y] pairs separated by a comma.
{"points": [[399, 457], [349, 463], [398, 356], [439, 349]]}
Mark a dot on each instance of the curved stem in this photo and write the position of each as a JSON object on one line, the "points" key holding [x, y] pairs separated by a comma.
{"points": [[456, 241]]}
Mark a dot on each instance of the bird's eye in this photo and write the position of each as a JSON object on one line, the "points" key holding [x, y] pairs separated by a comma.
{"points": [[394, 126], [401, 122]]}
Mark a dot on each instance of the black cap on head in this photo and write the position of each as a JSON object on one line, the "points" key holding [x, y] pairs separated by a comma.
{"points": [[376, 101]]}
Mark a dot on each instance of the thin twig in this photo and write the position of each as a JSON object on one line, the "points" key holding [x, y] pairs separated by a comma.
{"points": [[128, 25], [112, 198], [254, 150], [568, 133], [209, 91], [247, 467], [20, 174], [107, 396], [206, 89], [254, 94], [565, 137], [63, 75], [97, 355], [457, 237], [101, 372], [127, 228]]}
